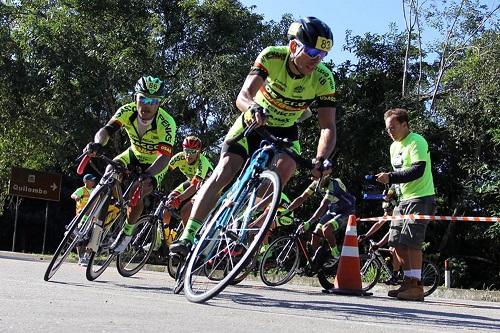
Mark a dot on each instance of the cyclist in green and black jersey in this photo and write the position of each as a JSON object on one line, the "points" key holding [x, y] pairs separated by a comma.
{"points": [[282, 83], [151, 131], [195, 166]]}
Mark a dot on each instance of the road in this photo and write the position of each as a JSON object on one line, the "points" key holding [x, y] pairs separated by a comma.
{"points": [[145, 303]]}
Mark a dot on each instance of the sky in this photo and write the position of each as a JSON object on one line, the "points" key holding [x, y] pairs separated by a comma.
{"points": [[360, 16]]}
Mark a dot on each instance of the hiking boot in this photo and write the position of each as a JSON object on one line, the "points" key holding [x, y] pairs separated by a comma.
{"points": [[414, 293], [407, 283], [181, 247]]}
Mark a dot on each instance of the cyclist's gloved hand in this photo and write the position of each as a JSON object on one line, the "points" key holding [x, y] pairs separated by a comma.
{"points": [[361, 238], [92, 148], [321, 167], [307, 225], [145, 176], [255, 113], [174, 202]]}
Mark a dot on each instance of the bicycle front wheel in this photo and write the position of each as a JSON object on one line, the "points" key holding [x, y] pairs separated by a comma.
{"points": [[280, 261], [100, 260], [430, 277], [77, 232], [227, 239], [131, 261]]}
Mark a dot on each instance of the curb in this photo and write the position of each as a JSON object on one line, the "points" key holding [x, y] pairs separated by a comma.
{"points": [[441, 292]]}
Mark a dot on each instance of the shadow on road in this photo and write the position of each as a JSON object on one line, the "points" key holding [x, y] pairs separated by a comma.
{"points": [[388, 312]]}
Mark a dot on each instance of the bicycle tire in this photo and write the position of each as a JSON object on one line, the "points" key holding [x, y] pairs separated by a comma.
{"points": [[133, 259], [100, 260], [76, 232], [282, 255], [370, 269], [220, 231], [179, 277], [173, 265], [430, 277]]}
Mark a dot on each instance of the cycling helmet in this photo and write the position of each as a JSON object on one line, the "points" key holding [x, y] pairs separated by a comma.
{"points": [[312, 32], [150, 86], [192, 142]]}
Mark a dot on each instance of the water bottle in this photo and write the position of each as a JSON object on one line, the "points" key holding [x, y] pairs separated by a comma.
{"points": [[95, 238]]}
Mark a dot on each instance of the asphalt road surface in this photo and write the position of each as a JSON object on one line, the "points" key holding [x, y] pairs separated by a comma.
{"points": [[145, 303]]}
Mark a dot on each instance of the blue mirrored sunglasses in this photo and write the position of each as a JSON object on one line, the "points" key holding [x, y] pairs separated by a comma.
{"points": [[148, 100], [312, 52]]}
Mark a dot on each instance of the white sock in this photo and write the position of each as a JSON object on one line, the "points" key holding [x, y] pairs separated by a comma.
{"points": [[416, 273], [407, 273]]}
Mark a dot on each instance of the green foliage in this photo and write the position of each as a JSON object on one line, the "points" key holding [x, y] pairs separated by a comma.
{"points": [[67, 65]]}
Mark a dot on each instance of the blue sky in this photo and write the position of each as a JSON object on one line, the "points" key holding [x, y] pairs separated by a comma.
{"points": [[360, 16]]}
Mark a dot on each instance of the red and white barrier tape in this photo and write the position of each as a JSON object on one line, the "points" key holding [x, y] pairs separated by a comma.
{"points": [[433, 217]]}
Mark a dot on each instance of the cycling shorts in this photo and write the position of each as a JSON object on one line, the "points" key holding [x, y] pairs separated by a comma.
{"points": [[248, 145]]}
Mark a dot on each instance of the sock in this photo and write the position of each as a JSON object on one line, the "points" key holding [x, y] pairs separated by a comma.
{"points": [[192, 227], [407, 274], [416, 273], [128, 229], [335, 251]]}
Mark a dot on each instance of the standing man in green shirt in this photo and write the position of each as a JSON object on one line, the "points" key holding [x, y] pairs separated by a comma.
{"points": [[410, 159]]}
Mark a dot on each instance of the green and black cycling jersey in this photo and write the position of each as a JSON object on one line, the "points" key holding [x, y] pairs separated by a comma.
{"points": [[195, 172], [286, 96], [159, 137]]}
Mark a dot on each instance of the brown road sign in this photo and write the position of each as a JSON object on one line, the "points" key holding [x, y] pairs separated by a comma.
{"points": [[35, 184]]}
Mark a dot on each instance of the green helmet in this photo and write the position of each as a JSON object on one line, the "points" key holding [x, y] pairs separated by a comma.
{"points": [[150, 86]]}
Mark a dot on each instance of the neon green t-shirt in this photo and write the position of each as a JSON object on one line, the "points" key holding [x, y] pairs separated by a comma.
{"points": [[413, 148], [285, 96], [159, 137], [198, 169]]}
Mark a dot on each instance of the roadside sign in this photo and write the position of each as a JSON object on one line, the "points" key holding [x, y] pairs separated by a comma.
{"points": [[35, 184]]}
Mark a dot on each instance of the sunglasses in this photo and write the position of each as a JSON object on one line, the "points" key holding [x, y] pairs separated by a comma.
{"points": [[191, 152], [148, 100], [312, 52]]}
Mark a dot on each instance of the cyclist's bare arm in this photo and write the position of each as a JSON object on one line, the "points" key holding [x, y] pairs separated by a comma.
{"points": [[384, 240], [188, 192], [323, 207], [158, 165], [102, 136], [298, 201], [328, 135], [375, 227], [250, 87], [248, 91]]}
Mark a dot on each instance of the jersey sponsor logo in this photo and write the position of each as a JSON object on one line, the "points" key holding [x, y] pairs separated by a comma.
{"points": [[168, 128], [282, 103], [144, 147], [164, 149], [330, 98], [298, 89], [273, 55]]}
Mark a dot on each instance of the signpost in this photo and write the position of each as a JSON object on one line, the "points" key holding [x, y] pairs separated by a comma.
{"points": [[37, 185]]}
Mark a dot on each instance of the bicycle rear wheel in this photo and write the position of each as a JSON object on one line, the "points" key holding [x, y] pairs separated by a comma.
{"points": [[131, 261], [227, 237], [430, 277], [100, 260], [280, 261], [77, 232]]}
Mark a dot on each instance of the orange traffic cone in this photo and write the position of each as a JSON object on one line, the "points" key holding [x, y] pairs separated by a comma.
{"points": [[348, 279]]}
